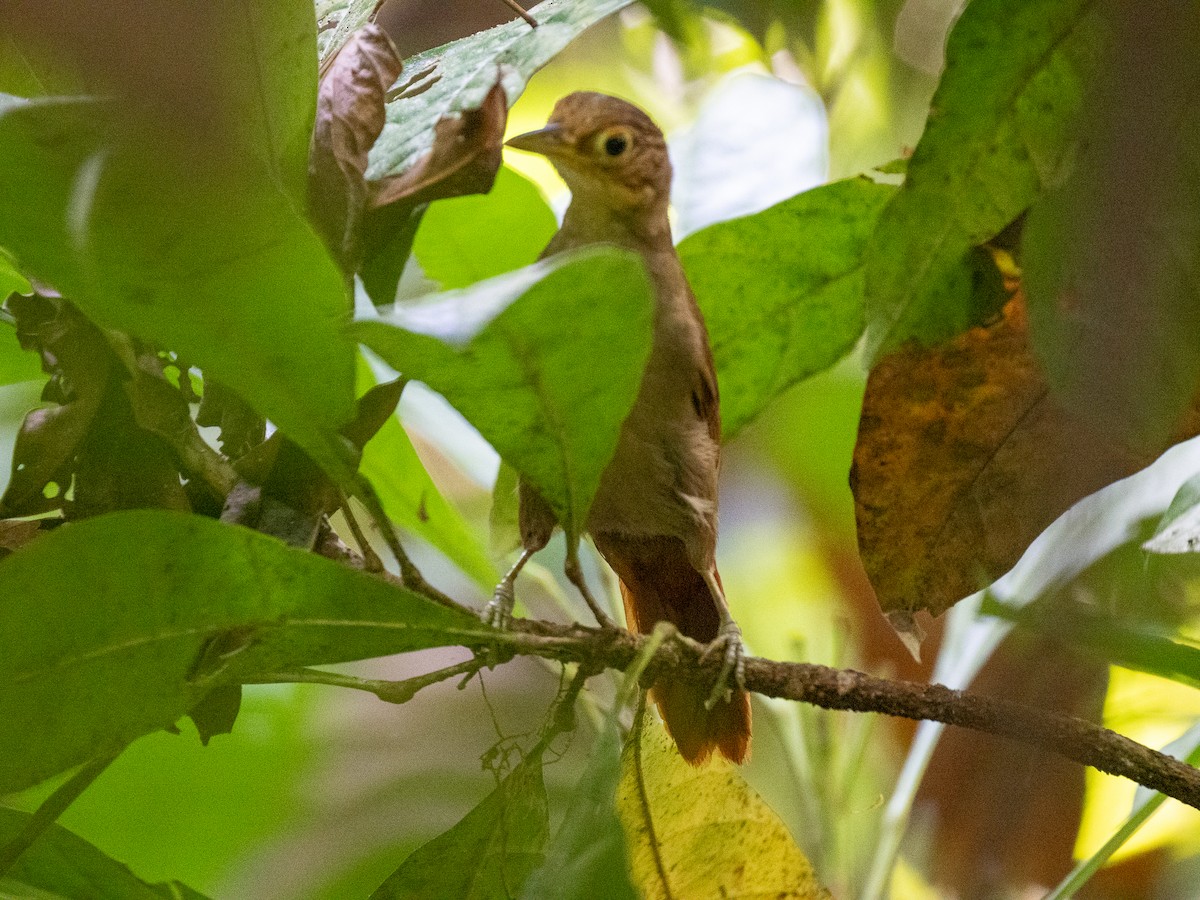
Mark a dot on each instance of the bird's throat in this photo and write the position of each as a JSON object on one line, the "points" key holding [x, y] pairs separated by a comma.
{"points": [[644, 229]]}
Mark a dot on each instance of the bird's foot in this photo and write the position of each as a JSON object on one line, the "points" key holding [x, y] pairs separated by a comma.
{"points": [[728, 643], [498, 612]]}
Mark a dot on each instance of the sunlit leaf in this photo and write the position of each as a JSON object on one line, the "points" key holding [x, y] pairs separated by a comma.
{"points": [[62, 865], [468, 239], [488, 854], [545, 362], [702, 832], [1146, 802], [116, 626], [782, 290], [1002, 126], [410, 497]]}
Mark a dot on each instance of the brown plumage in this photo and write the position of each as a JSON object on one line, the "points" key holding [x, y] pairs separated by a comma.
{"points": [[654, 518]]}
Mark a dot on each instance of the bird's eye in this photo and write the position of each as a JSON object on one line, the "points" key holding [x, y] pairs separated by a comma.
{"points": [[614, 142]]}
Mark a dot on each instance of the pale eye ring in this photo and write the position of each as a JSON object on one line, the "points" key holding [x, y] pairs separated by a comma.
{"points": [[614, 142]]}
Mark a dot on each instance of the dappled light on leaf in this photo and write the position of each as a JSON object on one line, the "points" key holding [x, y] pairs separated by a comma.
{"points": [[703, 832]]}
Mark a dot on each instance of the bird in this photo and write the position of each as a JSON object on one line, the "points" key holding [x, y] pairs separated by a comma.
{"points": [[654, 516]]}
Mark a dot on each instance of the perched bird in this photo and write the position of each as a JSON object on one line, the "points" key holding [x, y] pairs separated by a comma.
{"points": [[654, 517]]}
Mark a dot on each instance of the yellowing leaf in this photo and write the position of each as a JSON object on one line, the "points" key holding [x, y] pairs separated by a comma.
{"points": [[703, 832]]}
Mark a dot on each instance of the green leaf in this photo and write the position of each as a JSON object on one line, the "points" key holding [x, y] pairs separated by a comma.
{"points": [[62, 864], [116, 626], [16, 363], [410, 497], [217, 266], [703, 832], [11, 281], [782, 290], [488, 854], [271, 68], [350, 16], [457, 77], [589, 847], [1001, 128], [504, 520], [1140, 646], [549, 379], [1111, 259], [468, 239]]}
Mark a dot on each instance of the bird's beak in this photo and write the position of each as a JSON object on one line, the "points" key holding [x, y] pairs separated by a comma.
{"points": [[548, 141]]}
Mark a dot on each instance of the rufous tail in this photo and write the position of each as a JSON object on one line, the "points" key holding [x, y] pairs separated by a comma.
{"points": [[658, 583]]}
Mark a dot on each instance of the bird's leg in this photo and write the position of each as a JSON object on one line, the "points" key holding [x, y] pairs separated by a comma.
{"points": [[498, 612], [728, 642], [574, 574]]}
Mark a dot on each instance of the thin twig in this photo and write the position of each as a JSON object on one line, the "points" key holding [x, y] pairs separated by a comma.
{"points": [[388, 691], [413, 579], [520, 11], [52, 807]]}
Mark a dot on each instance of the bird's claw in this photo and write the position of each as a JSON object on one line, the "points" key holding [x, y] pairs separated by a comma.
{"points": [[498, 612], [728, 643]]}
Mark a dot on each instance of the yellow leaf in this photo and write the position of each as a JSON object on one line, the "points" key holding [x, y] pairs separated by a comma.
{"points": [[702, 832]]}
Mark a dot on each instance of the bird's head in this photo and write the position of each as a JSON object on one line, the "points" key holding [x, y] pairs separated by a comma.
{"points": [[609, 152]]}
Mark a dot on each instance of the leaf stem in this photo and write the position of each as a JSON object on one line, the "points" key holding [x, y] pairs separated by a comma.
{"points": [[388, 691]]}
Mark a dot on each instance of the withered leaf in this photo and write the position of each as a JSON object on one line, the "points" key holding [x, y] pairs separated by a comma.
{"points": [[123, 466], [80, 363], [16, 533], [161, 409], [242, 429], [963, 457], [350, 116], [465, 157], [283, 493]]}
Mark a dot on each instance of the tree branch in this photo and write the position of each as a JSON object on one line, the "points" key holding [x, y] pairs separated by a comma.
{"points": [[1084, 742], [845, 689]]}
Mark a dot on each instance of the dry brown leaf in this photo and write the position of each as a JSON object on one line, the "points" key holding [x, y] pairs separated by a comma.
{"points": [[350, 117], [465, 157], [81, 366], [963, 457]]}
